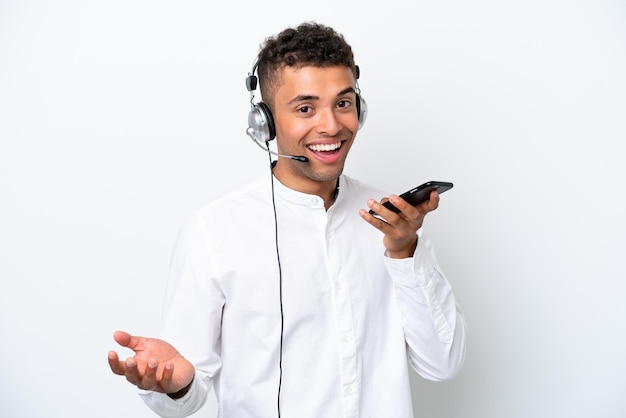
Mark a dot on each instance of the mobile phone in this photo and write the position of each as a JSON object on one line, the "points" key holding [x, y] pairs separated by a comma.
{"points": [[419, 194]]}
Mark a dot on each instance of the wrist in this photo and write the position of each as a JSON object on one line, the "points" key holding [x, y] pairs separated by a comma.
{"points": [[182, 392], [406, 252]]}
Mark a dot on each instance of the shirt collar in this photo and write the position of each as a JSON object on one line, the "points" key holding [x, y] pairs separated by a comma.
{"points": [[314, 201]]}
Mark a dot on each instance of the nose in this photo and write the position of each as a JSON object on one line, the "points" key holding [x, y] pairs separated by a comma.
{"points": [[328, 123]]}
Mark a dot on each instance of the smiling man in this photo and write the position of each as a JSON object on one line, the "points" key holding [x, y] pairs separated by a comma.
{"points": [[286, 296]]}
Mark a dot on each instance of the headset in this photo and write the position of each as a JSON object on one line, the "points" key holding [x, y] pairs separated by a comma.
{"points": [[261, 126]]}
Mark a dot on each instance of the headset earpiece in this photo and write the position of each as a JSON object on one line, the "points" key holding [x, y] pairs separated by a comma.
{"points": [[361, 105], [261, 123], [361, 110]]}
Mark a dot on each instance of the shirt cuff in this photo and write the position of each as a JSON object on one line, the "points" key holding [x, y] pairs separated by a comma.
{"points": [[412, 271], [167, 407]]}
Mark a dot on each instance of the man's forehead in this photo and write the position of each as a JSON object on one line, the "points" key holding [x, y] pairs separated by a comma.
{"points": [[313, 76]]}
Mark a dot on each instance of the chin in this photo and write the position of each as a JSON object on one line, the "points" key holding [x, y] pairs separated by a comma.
{"points": [[322, 176]]}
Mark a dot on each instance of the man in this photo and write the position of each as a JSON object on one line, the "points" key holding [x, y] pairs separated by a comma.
{"points": [[286, 296]]}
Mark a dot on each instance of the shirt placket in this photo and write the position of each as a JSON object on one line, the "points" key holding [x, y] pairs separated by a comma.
{"points": [[346, 337]]}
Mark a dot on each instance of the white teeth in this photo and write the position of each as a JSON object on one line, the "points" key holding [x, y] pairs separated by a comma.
{"points": [[324, 147]]}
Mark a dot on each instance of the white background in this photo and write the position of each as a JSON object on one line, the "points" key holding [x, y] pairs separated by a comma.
{"points": [[118, 118]]}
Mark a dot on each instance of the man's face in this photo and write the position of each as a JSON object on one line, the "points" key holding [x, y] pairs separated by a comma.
{"points": [[315, 116]]}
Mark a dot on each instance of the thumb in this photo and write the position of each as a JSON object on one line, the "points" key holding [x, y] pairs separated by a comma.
{"points": [[125, 339]]}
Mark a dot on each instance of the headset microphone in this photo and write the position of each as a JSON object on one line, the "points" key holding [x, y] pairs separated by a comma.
{"points": [[300, 158]]}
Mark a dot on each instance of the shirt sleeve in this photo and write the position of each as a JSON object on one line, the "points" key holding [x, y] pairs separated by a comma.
{"points": [[191, 317], [434, 324], [166, 407]]}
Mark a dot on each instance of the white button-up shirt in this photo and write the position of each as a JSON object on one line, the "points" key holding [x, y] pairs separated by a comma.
{"points": [[354, 319]]}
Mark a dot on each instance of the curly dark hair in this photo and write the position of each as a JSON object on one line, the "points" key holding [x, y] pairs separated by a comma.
{"points": [[309, 44]]}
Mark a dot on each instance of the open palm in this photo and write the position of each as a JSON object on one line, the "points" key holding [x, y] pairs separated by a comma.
{"points": [[156, 364]]}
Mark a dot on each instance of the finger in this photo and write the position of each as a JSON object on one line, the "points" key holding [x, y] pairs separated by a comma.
{"points": [[406, 209], [431, 204], [132, 371], [375, 221], [168, 372], [413, 213], [149, 380], [115, 364], [167, 377], [380, 211]]}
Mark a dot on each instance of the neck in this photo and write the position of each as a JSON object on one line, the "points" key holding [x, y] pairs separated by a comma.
{"points": [[326, 190], [328, 202]]}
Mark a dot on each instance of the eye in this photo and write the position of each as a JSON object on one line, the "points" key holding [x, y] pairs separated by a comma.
{"points": [[304, 109], [343, 103]]}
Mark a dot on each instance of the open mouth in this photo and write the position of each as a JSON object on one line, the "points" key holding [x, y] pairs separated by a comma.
{"points": [[325, 148]]}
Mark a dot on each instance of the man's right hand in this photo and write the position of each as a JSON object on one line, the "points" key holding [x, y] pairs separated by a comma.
{"points": [[156, 365]]}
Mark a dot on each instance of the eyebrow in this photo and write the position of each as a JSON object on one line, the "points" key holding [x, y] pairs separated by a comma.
{"points": [[305, 97]]}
